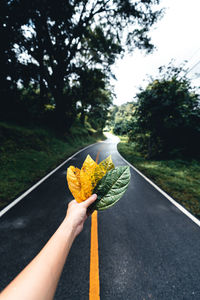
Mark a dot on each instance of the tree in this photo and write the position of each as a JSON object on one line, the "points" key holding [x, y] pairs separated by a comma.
{"points": [[89, 88], [98, 112], [58, 37], [8, 61], [120, 118], [167, 117]]}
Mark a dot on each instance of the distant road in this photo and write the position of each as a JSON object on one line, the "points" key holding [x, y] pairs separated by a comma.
{"points": [[148, 249]]}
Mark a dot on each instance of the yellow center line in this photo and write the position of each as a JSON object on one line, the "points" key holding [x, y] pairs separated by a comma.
{"points": [[97, 157], [94, 291]]}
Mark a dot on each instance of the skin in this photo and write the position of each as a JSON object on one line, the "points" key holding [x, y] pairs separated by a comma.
{"points": [[39, 279]]}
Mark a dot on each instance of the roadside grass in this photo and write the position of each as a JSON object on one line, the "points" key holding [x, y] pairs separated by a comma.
{"points": [[179, 178], [26, 155]]}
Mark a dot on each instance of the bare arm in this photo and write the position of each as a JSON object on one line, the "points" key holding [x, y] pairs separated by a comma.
{"points": [[40, 278]]}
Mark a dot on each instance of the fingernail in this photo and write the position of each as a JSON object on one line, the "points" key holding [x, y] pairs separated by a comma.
{"points": [[94, 196]]}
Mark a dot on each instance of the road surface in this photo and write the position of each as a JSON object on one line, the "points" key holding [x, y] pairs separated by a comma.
{"points": [[148, 249]]}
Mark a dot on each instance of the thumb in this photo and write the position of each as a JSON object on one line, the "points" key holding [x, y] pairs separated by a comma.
{"points": [[90, 200]]}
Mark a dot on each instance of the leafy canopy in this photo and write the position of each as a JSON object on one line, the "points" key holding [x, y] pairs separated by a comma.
{"points": [[167, 117]]}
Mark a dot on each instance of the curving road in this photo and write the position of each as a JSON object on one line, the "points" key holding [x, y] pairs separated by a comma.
{"points": [[148, 249]]}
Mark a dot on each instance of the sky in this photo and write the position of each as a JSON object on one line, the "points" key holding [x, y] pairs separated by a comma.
{"points": [[175, 36]]}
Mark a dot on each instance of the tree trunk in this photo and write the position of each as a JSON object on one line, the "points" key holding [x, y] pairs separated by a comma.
{"points": [[42, 85], [40, 54], [60, 115], [82, 117]]}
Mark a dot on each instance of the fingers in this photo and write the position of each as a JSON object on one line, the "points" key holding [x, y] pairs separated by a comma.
{"points": [[90, 200]]}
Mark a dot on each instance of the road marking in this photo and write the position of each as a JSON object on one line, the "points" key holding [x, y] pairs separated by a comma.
{"points": [[14, 202], [94, 291], [179, 206], [97, 157]]}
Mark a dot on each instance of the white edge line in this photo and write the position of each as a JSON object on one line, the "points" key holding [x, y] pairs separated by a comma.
{"points": [[14, 202], [185, 211]]}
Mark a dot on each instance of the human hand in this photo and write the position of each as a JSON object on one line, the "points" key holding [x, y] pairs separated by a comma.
{"points": [[77, 213]]}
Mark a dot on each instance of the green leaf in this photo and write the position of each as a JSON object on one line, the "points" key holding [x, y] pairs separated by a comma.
{"points": [[112, 187], [100, 171]]}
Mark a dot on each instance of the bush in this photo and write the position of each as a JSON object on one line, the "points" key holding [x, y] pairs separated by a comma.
{"points": [[168, 116], [122, 127]]}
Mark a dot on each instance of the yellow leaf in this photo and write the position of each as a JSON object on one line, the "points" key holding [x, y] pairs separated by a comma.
{"points": [[86, 173], [73, 179], [82, 182], [101, 170]]}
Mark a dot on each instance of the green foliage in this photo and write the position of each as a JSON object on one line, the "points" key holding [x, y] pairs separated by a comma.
{"points": [[119, 118], [92, 93], [65, 42], [122, 127], [179, 178], [167, 118], [112, 187], [27, 154]]}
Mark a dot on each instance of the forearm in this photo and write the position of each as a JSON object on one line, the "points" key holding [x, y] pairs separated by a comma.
{"points": [[39, 279]]}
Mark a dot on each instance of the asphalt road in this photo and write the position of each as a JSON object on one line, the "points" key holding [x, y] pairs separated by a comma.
{"points": [[148, 249]]}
